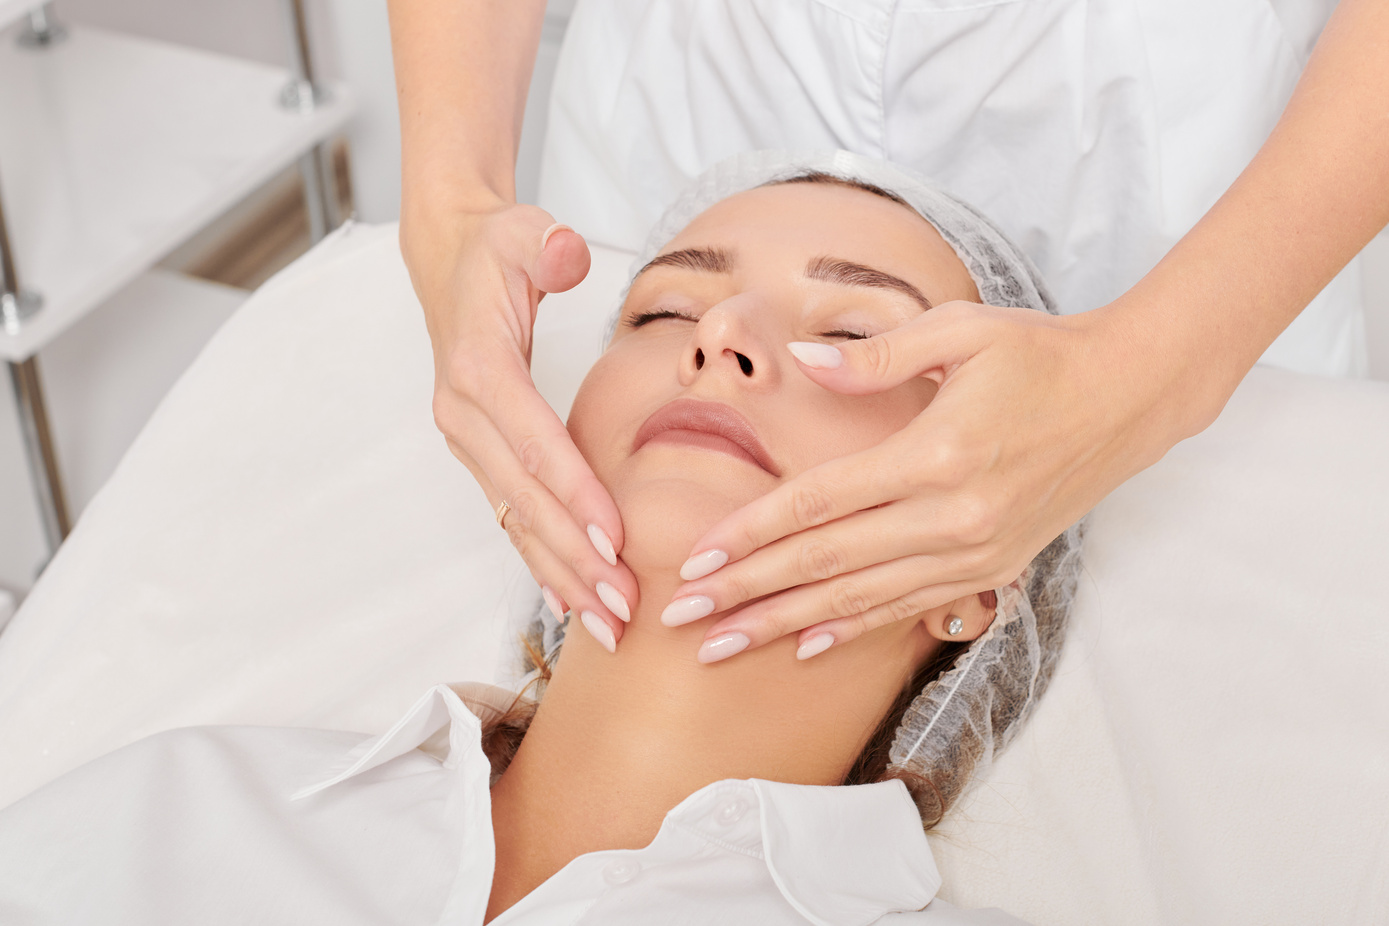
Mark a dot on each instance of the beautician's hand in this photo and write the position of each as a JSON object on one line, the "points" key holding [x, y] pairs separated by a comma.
{"points": [[480, 265], [481, 290], [1038, 417]]}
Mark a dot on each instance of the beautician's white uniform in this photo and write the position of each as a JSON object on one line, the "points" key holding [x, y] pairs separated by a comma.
{"points": [[227, 826], [1096, 132]]}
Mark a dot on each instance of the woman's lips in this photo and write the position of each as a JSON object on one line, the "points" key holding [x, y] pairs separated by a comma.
{"points": [[711, 425]]}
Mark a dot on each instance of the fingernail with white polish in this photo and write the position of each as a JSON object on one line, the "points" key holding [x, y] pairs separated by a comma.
{"points": [[683, 610], [545, 238], [615, 600], [552, 602], [701, 564], [815, 645], [723, 646], [602, 544], [600, 630], [819, 356]]}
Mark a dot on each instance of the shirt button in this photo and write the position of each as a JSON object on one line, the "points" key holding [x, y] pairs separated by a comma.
{"points": [[621, 871], [730, 811]]}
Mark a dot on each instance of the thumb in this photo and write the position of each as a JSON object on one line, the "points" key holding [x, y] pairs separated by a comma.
{"points": [[932, 345], [559, 259]]}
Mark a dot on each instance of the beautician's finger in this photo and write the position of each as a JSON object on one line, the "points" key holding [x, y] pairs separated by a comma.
{"points": [[620, 589], [558, 259], [817, 638], [824, 493], [535, 440], [852, 542], [585, 607], [543, 446], [931, 345], [845, 596], [535, 509], [595, 607], [556, 582]]}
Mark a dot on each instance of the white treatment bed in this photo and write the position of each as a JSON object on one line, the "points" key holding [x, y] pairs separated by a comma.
{"points": [[289, 542]]}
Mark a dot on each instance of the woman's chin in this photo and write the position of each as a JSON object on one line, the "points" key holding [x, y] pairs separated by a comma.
{"points": [[663, 517]]}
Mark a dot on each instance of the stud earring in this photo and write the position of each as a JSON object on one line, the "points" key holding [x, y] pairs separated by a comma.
{"points": [[955, 626]]}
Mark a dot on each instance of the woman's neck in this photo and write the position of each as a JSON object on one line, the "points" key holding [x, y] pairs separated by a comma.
{"points": [[620, 739]]}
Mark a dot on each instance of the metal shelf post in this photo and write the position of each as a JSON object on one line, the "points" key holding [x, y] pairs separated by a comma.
{"points": [[17, 304], [303, 94]]}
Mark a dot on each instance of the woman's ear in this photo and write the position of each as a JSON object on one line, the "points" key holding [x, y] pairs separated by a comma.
{"points": [[969, 617]]}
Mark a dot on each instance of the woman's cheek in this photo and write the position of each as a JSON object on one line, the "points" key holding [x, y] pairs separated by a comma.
{"points": [[602, 409], [859, 422]]}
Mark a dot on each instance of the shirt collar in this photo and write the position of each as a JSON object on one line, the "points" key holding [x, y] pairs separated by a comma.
{"points": [[439, 709], [849, 854], [842, 856]]}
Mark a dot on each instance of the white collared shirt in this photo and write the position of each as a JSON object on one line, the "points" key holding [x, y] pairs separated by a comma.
{"points": [[237, 825]]}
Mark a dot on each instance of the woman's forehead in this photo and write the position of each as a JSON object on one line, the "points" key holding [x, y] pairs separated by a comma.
{"points": [[819, 206], [803, 221]]}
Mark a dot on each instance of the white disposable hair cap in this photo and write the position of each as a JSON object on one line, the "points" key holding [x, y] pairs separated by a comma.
{"points": [[1004, 275]]}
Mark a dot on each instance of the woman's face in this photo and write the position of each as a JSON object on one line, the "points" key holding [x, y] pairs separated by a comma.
{"points": [[697, 407]]}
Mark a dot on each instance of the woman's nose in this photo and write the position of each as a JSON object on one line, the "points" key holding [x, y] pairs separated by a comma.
{"points": [[727, 341]]}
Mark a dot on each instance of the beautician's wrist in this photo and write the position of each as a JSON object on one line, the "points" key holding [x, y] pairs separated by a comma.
{"points": [[1172, 382], [454, 194], [433, 234]]}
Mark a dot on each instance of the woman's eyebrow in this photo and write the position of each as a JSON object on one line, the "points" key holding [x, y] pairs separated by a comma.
{"points": [[707, 260], [848, 273]]}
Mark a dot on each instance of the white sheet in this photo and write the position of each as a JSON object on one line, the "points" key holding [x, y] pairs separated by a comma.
{"points": [[289, 542]]}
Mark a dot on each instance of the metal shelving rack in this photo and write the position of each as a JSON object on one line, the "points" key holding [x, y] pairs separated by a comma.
{"points": [[113, 151]]}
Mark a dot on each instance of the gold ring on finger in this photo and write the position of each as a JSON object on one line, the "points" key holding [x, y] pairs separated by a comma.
{"points": [[502, 509]]}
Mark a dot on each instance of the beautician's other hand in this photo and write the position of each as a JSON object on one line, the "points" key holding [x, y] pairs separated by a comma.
{"points": [[481, 285], [1037, 418]]}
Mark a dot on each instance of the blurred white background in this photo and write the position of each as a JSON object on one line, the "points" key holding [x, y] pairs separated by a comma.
{"points": [[105, 375]]}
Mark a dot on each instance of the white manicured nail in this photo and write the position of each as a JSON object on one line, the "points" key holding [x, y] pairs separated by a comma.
{"points": [[815, 645], [552, 602], [723, 646], [819, 356], [683, 610], [545, 238], [701, 564], [600, 630], [602, 544], [615, 600]]}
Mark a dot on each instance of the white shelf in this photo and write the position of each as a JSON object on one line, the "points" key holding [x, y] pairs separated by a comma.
{"points": [[114, 149]]}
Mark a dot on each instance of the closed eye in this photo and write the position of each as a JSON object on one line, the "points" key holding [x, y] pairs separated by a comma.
{"points": [[641, 318]]}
